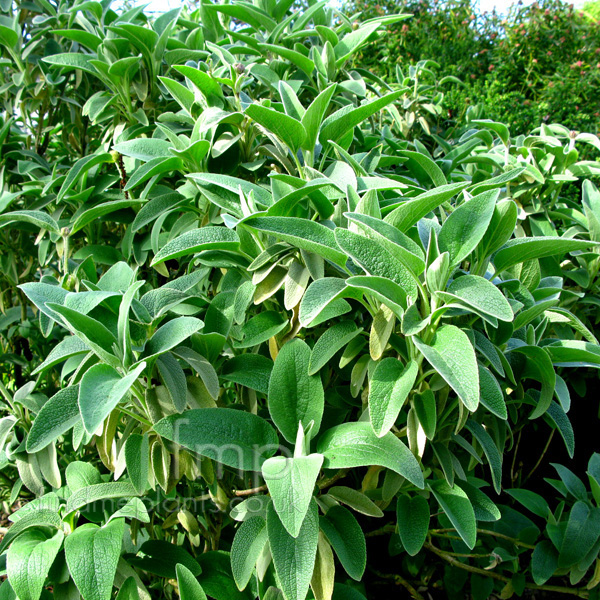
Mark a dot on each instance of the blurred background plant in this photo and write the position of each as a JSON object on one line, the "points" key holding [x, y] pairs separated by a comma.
{"points": [[535, 64]]}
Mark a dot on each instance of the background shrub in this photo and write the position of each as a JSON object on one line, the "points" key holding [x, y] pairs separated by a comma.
{"points": [[275, 325], [536, 64]]}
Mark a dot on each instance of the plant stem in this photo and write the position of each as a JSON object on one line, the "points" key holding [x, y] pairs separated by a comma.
{"points": [[400, 581], [579, 592], [487, 532], [329, 482], [251, 491], [541, 457]]}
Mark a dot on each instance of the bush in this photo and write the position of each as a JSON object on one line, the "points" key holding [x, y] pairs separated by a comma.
{"points": [[262, 308], [539, 64]]}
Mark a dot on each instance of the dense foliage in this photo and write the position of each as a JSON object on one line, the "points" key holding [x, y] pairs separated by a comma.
{"points": [[538, 63], [261, 306]]}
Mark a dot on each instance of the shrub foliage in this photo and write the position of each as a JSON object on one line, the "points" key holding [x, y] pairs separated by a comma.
{"points": [[260, 305], [538, 63]]}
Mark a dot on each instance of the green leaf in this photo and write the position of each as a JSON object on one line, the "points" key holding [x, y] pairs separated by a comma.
{"points": [[544, 562], [347, 539], [558, 416], [539, 367], [129, 590], [250, 370], [332, 340], [291, 482], [161, 558], [8, 36], [320, 294], [156, 166], [313, 117], [232, 437], [390, 384], [385, 290], [466, 226], [323, 577], [501, 227], [152, 209], [202, 367], [531, 501], [484, 509], [42, 294], [189, 588], [288, 129], [356, 445], [490, 394], [248, 544], [573, 353], [171, 334], [376, 260], [85, 38], [294, 558], [413, 522], [183, 96], [291, 104], [426, 409], [101, 389], [197, 240], [340, 122], [208, 181], [92, 555], [490, 449], [591, 206], [137, 456], [382, 327], [302, 233], [41, 517], [581, 533], [352, 41], [56, 417], [410, 212], [83, 165], [451, 354], [261, 327], [93, 333], [87, 216], [499, 128], [81, 474], [144, 149], [35, 217], [72, 60], [123, 327], [217, 579], [132, 509], [394, 241], [420, 164], [355, 500], [28, 561], [294, 395], [99, 491], [520, 250], [302, 62], [458, 508], [480, 294], [208, 86]]}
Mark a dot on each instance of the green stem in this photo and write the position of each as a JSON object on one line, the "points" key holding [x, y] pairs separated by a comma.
{"points": [[6, 394], [580, 592], [133, 415], [65, 255]]}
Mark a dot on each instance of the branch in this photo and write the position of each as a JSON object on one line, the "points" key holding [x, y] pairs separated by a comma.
{"points": [[399, 580], [579, 592], [251, 491]]}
